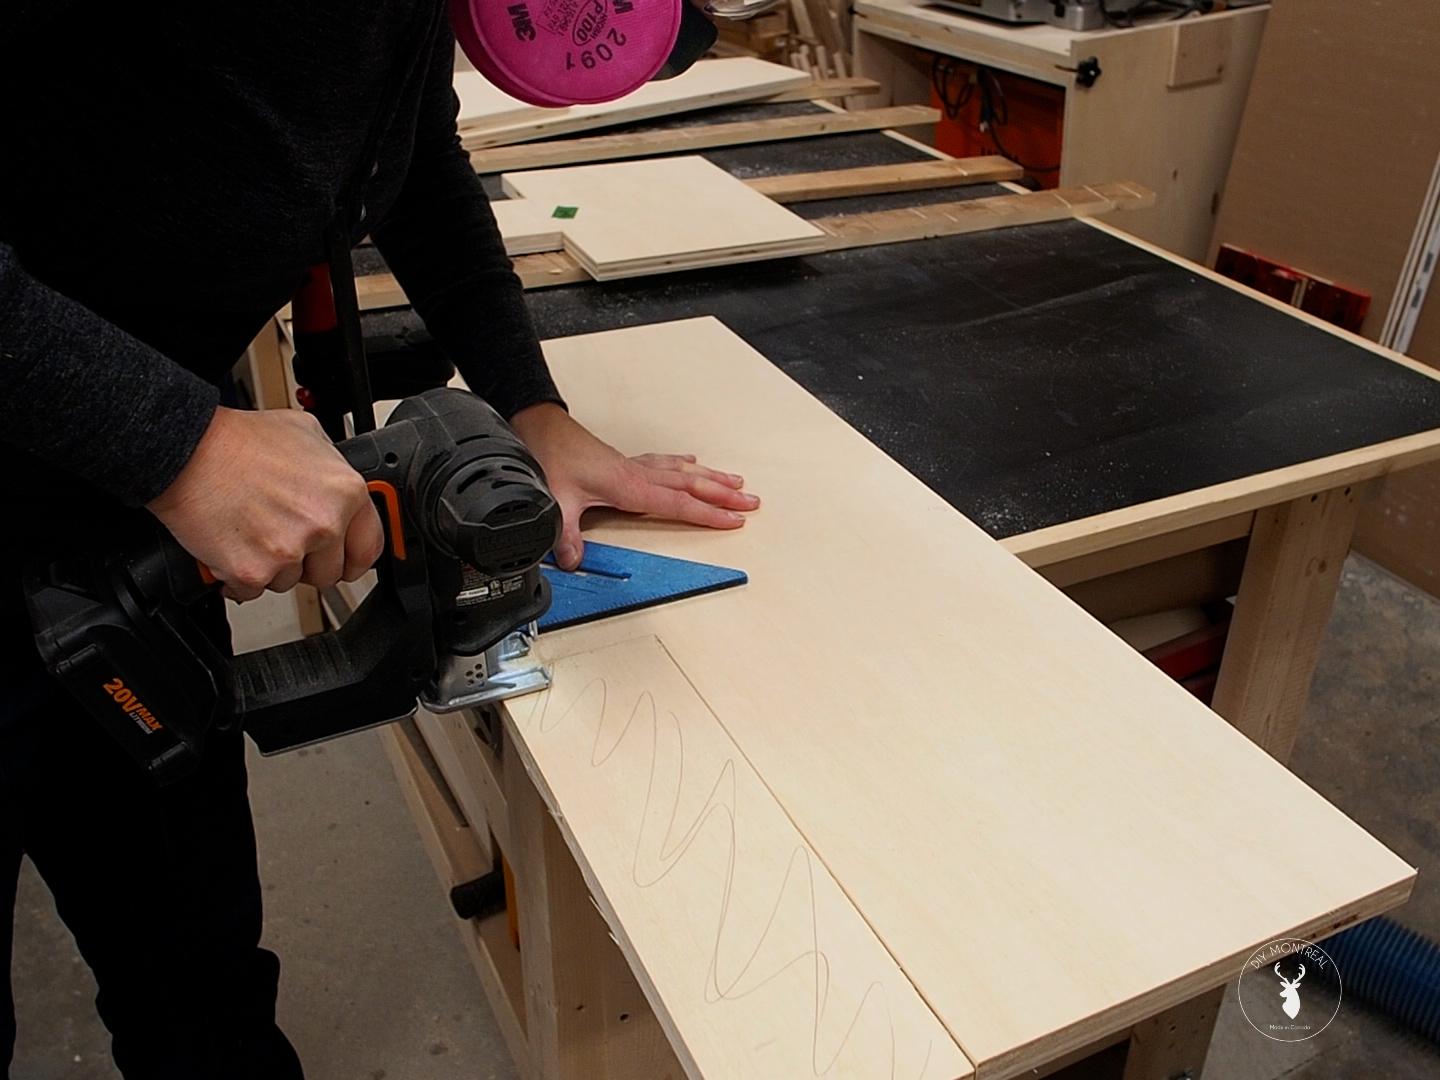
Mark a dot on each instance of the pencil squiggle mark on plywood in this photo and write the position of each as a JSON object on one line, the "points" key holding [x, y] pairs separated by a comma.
{"points": [[662, 841]]}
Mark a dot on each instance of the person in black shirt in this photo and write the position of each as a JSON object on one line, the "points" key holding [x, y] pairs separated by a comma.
{"points": [[168, 172]]}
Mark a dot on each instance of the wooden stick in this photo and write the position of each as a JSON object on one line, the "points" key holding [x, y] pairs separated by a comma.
{"points": [[976, 215], [877, 179], [822, 61], [801, 16], [680, 140]]}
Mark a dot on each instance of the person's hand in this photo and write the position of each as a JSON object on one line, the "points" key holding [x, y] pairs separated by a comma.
{"points": [[266, 502], [585, 472]]}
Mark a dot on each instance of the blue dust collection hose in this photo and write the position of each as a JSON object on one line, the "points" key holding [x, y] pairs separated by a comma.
{"points": [[1393, 969]]}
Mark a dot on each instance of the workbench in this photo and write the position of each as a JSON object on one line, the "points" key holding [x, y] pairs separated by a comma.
{"points": [[1141, 432], [1164, 112]]}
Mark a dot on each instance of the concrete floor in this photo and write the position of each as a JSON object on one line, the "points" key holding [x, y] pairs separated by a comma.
{"points": [[376, 986]]}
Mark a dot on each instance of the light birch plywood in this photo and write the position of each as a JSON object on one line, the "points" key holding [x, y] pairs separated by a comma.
{"points": [[528, 228], [748, 951], [636, 217], [644, 144], [1052, 839], [707, 84]]}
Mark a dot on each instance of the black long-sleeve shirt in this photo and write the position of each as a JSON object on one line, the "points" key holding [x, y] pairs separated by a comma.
{"points": [[167, 171]]}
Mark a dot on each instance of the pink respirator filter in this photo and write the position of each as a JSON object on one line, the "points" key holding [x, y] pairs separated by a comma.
{"points": [[566, 52]]}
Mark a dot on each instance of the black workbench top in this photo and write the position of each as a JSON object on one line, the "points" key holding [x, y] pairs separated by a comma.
{"points": [[1030, 376]]}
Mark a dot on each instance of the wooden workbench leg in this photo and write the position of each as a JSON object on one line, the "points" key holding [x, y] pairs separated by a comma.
{"points": [[585, 1015], [1292, 570], [1175, 1043]]}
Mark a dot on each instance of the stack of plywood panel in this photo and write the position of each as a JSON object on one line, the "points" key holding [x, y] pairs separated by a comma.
{"points": [[629, 218]]}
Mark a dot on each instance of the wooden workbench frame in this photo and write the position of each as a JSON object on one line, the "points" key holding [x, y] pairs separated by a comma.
{"points": [[566, 1003], [564, 999]]}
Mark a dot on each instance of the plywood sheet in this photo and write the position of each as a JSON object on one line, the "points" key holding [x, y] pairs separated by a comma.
{"points": [[753, 959], [707, 84], [638, 217], [1051, 838]]}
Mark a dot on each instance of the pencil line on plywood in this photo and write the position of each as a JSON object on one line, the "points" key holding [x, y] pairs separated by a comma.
{"points": [[662, 841]]}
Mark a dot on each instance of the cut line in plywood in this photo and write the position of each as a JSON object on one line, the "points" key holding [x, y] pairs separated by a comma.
{"points": [[707, 84], [639, 217], [749, 952]]}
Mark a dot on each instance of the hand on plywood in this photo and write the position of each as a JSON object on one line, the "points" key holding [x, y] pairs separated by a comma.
{"points": [[585, 472]]}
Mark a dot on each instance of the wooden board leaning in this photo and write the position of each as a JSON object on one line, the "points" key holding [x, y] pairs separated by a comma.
{"points": [[708, 84], [683, 140]]}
